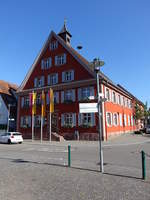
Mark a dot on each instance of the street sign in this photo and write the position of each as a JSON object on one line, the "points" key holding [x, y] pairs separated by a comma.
{"points": [[88, 107]]}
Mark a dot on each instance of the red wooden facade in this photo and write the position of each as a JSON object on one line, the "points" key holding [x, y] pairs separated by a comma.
{"points": [[73, 80]]}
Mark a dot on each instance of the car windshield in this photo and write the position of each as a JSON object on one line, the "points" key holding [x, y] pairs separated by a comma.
{"points": [[16, 134]]}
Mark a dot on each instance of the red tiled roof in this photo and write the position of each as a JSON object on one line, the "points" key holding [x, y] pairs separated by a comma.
{"points": [[5, 87]]}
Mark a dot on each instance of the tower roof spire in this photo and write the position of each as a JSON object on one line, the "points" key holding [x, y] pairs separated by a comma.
{"points": [[64, 28], [64, 33]]}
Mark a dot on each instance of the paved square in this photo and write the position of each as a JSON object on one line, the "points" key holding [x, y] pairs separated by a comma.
{"points": [[37, 171]]}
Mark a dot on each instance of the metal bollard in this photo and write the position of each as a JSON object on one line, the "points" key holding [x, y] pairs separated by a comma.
{"points": [[69, 156], [143, 165]]}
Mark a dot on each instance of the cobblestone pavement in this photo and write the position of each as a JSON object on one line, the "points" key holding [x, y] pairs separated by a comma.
{"points": [[37, 171]]}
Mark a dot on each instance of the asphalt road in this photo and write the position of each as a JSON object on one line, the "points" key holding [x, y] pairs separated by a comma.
{"points": [[37, 171]]}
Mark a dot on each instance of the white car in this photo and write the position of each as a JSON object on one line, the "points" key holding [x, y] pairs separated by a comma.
{"points": [[11, 137], [148, 128]]}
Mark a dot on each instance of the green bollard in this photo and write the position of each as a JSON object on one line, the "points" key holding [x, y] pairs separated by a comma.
{"points": [[69, 156], [143, 165]]}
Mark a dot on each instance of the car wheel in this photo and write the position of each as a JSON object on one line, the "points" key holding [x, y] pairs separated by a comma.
{"points": [[20, 142], [9, 141]]}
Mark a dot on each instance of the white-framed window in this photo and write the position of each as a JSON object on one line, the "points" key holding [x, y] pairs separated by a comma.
{"points": [[39, 81], [119, 99], [38, 99], [131, 120], [125, 120], [60, 59], [85, 93], [26, 101], [68, 96], [53, 45], [68, 120], [25, 121], [128, 120], [115, 119], [68, 76], [46, 63], [86, 119], [107, 94], [109, 119], [130, 104], [120, 119], [56, 97], [113, 97], [123, 98], [52, 79], [37, 120]]}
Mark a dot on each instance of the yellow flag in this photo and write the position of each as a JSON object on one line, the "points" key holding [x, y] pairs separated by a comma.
{"points": [[33, 103], [51, 98], [43, 104]]}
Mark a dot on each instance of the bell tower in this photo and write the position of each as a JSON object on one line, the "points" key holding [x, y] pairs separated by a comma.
{"points": [[64, 34]]}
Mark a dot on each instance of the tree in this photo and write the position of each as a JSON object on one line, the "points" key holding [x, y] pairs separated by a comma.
{"points": [[139, 113]]}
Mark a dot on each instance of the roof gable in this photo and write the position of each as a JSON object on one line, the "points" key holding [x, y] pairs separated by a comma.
{"points": [[74, 53]]}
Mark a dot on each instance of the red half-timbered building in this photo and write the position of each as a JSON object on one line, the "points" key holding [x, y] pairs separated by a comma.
{"points": [[73, 80]]}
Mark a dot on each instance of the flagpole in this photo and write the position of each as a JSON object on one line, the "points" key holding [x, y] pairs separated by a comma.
{"points": [[41, 129], [32, 127], [50, 127]]}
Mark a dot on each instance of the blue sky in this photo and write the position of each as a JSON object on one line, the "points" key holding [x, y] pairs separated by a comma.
{"points": [[117, 31]]}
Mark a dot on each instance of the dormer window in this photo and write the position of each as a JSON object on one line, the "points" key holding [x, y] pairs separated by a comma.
{"points": [[53, 45], [46, 63]]}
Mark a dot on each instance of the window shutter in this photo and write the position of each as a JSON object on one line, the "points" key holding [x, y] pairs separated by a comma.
{"points": [[79, 94], [92, 91], [110, 93], [62, 120], [57, 78], [29, 121], [47, 98], [63, 76], [22, 102], [55, 60], [35, 82], [42, 79], [72, 75], [65, 58], [57, 97], [21, 121], [93, 119], [74, 119], [73, 95], [56, 44], [48, 80], [62, 96], [79, 119], [42, 64], [50, 61]]}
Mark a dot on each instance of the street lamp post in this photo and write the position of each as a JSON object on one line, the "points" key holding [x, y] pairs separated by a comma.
{"points": [[8, 117], [97, 64]]}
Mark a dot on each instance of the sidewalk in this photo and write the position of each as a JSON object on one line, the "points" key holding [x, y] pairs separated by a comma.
{"points": [[125, 139]]}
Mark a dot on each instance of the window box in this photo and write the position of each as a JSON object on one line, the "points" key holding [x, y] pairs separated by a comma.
{"points": [[85, 125], [68, 126], [68, 101]]}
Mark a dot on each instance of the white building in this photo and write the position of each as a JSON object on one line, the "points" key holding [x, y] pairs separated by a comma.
{"points": [[8, 102]]}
